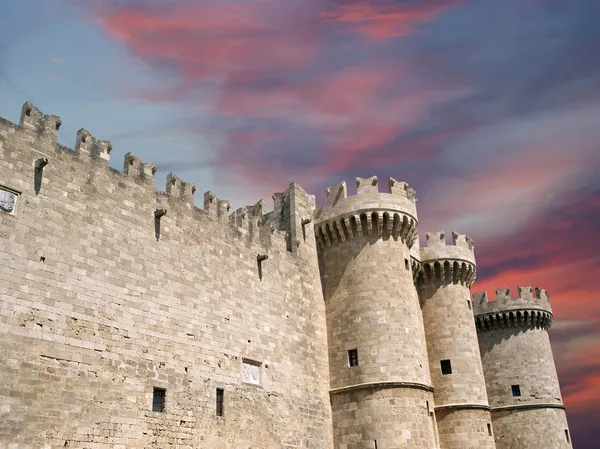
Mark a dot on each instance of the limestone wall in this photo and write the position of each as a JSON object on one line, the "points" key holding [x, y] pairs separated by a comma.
{"points": [[544, 428], [104, 297]]}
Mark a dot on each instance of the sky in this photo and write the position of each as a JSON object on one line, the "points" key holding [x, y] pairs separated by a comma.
{"points": [[489, 109]]}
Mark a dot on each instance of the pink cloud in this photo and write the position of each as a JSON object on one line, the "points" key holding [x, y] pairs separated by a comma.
{"points": [[57, 61], [386, 20]]}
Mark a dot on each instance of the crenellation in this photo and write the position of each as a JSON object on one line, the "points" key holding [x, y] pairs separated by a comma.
{"points": [[216, 207], [138, 170], [180, 189], [366, 185], [95, 149], [336, 193], [30, 117], [525, 309]]}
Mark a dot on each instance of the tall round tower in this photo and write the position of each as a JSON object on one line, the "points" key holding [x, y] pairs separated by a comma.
{"points": [[381, 391], [520, 375], [461, 405]]}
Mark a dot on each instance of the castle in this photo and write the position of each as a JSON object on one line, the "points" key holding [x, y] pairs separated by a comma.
{"points": [[129, 318]]}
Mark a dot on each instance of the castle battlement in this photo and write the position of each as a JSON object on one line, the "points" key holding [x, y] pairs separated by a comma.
{"points": [[529, 309], [251, 223], [369, 213], [448, 263]]}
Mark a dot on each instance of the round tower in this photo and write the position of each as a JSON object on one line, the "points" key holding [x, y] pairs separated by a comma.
{"points": [[381, 393], [461, 405], [520, 375]]}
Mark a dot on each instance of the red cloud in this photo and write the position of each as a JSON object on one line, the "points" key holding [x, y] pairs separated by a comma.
{"points": [[207, 41], [388, 20]]}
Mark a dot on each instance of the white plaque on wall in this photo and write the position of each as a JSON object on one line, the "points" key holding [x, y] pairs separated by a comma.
{"points": [[251, 372], [8, 201]]}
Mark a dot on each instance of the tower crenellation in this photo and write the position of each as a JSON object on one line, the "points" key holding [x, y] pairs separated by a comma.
{"points": [[529, 308], [453, 262], [386, 215]]}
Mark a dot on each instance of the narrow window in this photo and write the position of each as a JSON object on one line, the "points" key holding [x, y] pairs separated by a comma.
{"points": [[220, 392], [446, 366], [406, 264], [375, 441], [469, 304], [158, 399], [353, 357], [567, 435], [427, 404], [489, 429], [516, 390]]}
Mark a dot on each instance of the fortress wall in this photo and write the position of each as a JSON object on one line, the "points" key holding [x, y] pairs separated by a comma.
{"points": [[95, 311], [536, 428], [519, 356], [451, 335], [372, 305], [389, 418], [465, 429]]}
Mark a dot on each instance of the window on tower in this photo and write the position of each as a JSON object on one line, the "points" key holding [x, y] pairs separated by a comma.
{"points": [[516, 390], [446, 366], [353, 357]]}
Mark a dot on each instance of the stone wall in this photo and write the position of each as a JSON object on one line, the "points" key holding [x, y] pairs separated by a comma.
{"points": [[102, 300], [544, 428]]}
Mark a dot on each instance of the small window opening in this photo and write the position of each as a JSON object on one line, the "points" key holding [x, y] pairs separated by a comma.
{"points": [[446, 366], [489, 429], [567, 435], [516, 390], [158, 399], [469, 304], [406, 264], [220, 393], [28, 112], [353, 357], [375, 441]]}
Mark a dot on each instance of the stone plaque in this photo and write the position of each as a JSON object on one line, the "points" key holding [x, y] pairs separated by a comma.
{"points": [[251, 372], [8, 201]]}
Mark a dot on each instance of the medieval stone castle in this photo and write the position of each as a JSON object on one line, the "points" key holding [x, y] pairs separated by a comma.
{"points": [[129, 318]]}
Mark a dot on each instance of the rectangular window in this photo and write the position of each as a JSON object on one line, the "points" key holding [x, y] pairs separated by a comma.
{"points": [[469, 304], [446, 366], [353, 357], [158, 399], [567, 435], [516, 390], [489, 429], [220, 392], [406, 264]]}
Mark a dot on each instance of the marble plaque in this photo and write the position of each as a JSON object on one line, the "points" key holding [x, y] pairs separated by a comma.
{"points": [[8, 201], [251, 373]]}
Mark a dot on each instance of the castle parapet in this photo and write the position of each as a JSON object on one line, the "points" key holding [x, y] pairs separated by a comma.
{"points": [[43, 125], [369, 213], [136, 169], [450, 263], [86, 144], [216, 207], [530, 309], [180, 189]]}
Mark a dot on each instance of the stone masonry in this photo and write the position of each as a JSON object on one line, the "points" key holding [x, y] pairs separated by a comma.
{"points": [[130, 318]]}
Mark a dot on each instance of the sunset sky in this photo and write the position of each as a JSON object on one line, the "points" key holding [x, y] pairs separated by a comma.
{"points": [[489, 109]]}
